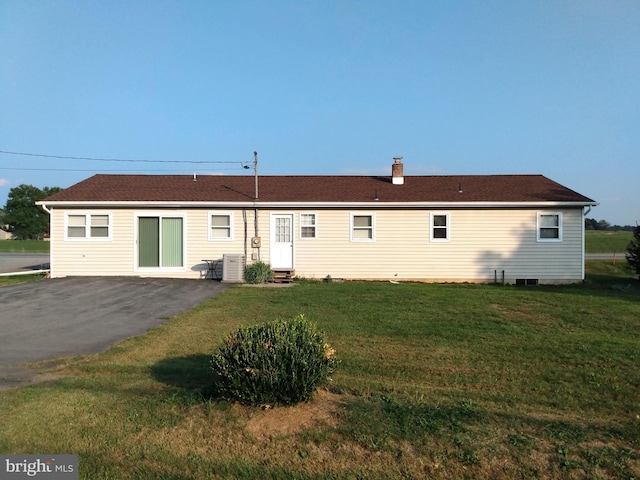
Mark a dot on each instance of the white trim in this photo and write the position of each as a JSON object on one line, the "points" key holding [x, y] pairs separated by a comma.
{"points": [[315, 225], [160, 215], [447, 227], [272, 239], [373, 227], [220, 213], [88, 214], [559, 227], [583, 237], [368, 204]]}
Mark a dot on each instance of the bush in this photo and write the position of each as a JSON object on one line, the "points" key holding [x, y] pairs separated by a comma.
{"points": [[633, 251], [277, 363], [258, 272]]}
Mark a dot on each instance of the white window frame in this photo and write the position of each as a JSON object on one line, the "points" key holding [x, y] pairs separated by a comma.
{"points": [[303, 225], [88, 215], [210, 223], [447, 227], [372, 227], [539, 227]]}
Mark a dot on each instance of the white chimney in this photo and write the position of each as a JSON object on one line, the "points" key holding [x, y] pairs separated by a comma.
{"points": [[397, 176]]}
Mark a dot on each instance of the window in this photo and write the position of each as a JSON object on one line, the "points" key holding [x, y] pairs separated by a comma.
{"points": [[220, 226], [160, 242], [549, 227], [307, 225], [282, 229], [439, 227], [362, 227], [88, 226]]}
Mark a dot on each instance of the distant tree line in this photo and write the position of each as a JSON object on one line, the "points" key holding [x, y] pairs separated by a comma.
{"points": [[593, 224], [22, 217]]}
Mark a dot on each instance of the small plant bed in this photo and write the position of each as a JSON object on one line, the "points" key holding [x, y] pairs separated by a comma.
{"points": [[258, 272], [282, 362]]}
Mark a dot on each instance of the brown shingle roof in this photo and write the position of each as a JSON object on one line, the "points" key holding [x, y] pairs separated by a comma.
{"points": [[221, 188]]}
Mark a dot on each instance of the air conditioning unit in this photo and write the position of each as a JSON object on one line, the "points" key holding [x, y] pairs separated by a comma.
{"points": [[233, 267]]}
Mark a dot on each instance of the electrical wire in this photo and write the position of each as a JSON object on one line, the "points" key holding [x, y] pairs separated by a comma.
{"points": [[104, 171], [94, 159]]}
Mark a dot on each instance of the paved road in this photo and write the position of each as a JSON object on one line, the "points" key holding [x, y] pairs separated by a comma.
{"points": [[604, 256], [17, 262], [74, 316]]}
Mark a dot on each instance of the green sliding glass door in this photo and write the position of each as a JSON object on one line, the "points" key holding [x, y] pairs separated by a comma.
{"points": [[160, 242]]}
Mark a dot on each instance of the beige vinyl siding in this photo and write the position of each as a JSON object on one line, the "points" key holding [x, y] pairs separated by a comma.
{"points": [[80, 257], [119, 255], [482, 242]]}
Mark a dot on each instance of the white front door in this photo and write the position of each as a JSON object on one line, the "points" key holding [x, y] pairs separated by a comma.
{"points": [[281, 240]]}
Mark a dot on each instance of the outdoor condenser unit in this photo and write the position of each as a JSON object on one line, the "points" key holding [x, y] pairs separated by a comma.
{"points": [[233, 267]]}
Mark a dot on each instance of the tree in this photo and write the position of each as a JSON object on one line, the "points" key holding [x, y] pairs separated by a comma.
{"points": [[633, 251], [25, 218], [593, 224], [590, 224]]}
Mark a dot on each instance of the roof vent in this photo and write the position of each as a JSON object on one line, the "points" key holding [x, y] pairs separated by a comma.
{"points": [[397, 175]]}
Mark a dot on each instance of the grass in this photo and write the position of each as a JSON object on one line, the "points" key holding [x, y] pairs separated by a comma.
{"points": [[436, 381], [24, 246], [607, 241], [12, 280]]}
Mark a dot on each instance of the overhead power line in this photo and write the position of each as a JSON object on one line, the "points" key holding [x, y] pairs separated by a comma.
{"points": [[243, 164], [103, 170]]}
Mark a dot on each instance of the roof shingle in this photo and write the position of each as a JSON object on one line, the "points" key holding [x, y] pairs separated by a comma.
{"points": [[303, 189]]}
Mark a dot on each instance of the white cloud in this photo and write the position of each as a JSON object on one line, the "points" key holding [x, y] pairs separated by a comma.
{"points": [[4, 182]]}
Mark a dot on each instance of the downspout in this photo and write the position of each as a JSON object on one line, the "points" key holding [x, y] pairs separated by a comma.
{"points": [[44, 207], [50, 212], [246, 238], [584, 215]]}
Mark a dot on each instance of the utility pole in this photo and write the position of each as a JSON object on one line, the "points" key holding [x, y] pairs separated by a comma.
{"points": [[255, 170], [255, 211]]}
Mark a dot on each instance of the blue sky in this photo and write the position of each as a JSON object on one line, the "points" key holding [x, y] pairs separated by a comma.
{"points": [[326, 87]]}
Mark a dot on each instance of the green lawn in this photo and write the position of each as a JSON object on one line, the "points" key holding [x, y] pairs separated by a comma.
{"points": [[4, 281], [24, 246], [606, 241], [436, 381]]}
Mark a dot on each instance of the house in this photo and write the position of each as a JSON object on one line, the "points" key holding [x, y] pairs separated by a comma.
{"points": [[5, 235], [523, 229]]}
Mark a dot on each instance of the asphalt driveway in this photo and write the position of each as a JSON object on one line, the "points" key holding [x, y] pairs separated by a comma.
{"points": [[73, 316]]}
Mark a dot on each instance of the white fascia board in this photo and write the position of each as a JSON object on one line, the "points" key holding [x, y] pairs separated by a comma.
{"points": [[369, 204]]}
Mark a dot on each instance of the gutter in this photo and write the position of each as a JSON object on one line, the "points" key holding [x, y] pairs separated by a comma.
{"points": [[44, 207], [269, 204]]}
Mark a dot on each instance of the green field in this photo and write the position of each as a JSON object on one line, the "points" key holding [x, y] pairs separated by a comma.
{"points": [[24, 246], [607, 241], [436, 381]]}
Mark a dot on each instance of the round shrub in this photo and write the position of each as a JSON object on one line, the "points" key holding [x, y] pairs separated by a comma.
{"points": [[258, 272], [277, 363]]}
